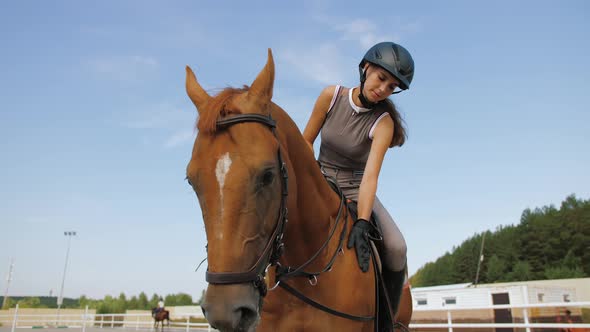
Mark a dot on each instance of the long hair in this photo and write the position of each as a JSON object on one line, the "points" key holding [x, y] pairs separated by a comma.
{"points": [[399, 128]]}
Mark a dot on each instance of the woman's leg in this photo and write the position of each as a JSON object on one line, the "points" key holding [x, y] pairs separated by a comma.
{"points": [[394, 244], [393, 256]]}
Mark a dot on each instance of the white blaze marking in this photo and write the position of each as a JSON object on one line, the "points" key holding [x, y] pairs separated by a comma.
{"points": [[221, 170]]}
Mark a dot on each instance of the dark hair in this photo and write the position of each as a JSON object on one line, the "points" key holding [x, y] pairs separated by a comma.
{"points": [[399, 128]]}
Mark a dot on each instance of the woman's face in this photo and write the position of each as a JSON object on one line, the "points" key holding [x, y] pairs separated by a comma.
{"points": [[379, 84]]}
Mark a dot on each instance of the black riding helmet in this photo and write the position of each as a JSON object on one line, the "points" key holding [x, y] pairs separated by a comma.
{"points": [[392, 57]]}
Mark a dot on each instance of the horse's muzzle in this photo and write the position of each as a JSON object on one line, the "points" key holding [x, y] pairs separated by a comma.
{"points": [[232, 308]]}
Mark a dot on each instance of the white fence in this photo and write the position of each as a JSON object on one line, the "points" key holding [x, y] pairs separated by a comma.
{"points": [[526, 324], [127, 321], [138, 321]]}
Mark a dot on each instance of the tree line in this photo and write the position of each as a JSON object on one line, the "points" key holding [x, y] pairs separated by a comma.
{"points": [[108, 304], [548, 243]]}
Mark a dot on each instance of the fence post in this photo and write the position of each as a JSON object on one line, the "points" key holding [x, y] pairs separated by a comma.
{"points": [[449, 321], [15, 318], [525, 311], [137, 323], [112, 320], [84, 319], [188, 319]]}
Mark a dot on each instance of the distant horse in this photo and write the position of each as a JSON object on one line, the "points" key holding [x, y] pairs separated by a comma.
{"points": [[159, 317], [252, 171]]}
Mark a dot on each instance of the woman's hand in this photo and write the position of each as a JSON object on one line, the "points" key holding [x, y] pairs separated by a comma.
{"points": [[361, 232]]}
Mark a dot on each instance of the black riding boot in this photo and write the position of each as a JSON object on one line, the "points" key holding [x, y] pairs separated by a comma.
{"points": [[394, 283]]}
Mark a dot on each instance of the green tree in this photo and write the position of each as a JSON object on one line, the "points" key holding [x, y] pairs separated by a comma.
{"points": [[83, 301], [8, 304], [142, 302], [521, 271], [29, 302], [495, 269], [132, 304], [170, 300], [184, 299], [466, 258], [562, 272], [120, 304], [547, 243], [154, 301]]}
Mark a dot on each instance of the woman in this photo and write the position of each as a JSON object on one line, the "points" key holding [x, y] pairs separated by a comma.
{"points": [[358, 126]]}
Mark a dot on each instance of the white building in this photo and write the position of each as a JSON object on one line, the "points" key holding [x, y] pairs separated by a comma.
{"points": [[525, 292], [432, 303]]}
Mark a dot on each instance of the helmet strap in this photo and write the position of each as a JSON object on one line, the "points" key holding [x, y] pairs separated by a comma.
{"points": [[366, 103]]}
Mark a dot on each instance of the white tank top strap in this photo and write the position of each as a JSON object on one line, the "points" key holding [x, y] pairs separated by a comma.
{"points": [[375, 124], [336, 91]]}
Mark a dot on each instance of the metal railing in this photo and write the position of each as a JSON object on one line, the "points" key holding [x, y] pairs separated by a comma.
{"points": [[526, 324]]}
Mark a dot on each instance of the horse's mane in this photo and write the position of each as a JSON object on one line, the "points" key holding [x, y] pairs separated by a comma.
{"points": [[216, 107]]}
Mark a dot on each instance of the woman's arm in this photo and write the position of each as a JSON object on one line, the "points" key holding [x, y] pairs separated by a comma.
{"points": [[381, 139], [318, 115]]}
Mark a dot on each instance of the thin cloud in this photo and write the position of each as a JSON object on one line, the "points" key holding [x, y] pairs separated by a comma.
{"points": [[412, 27], [364, 32], [123, 68], [151, 120], [165, 119], [323, 64], [38, 220], [180, 138], [298, 107], [330, 63], [159, 116]]}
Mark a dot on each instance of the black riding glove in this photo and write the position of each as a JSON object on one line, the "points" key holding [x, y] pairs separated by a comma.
{"points": [[359, 238]]}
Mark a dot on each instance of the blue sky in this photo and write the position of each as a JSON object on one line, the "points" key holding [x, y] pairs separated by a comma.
{"points": [[96, 129]]}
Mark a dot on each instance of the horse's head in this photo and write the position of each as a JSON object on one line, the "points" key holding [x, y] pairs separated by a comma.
{"points": [[236, 171]]}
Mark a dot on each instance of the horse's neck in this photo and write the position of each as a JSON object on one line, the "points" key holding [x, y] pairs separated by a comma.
{"points": [[316, 205]]}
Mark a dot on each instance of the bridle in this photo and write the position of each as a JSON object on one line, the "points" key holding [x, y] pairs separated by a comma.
{"points": [[275, 246]]}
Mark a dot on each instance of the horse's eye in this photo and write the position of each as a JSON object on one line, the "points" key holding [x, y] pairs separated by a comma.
{"points": [[188, 181], [267, 178]]}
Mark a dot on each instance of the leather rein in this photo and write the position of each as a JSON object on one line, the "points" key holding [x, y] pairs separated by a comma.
{"points": [[275, 246]]}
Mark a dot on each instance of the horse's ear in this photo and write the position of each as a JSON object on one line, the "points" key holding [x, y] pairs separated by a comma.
{"points": [[194, 90], [263, 84]]}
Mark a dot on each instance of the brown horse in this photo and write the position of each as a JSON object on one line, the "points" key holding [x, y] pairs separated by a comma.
{"points": [[159, 317], [404, 313], [252, 171]]}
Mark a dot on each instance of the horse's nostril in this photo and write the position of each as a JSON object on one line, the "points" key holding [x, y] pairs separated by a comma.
{"points": [[246, 316]]}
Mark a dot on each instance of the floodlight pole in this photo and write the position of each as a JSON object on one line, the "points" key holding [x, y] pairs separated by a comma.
{"points": [[483, 240], [8, 280], [69, 234]]}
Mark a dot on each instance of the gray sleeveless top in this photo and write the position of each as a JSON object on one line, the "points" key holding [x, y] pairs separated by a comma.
{"points": [[347, 132]]}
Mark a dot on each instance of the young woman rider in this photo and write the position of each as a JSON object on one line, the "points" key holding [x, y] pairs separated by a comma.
{"points": [[358, 125]]}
